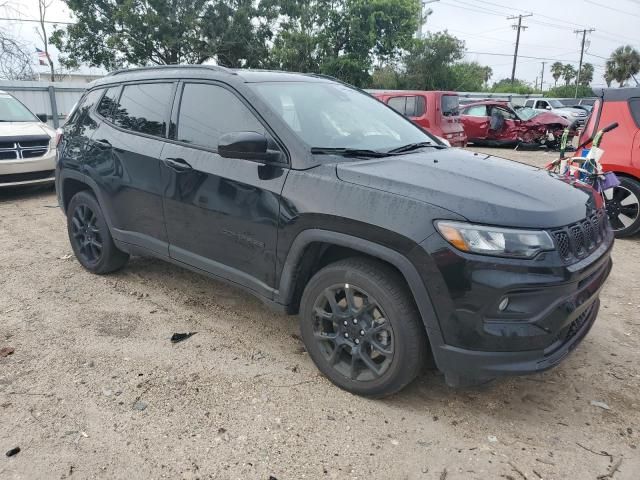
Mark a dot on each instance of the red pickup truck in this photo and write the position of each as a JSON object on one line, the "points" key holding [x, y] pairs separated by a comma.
{"points": [[436, 111]]}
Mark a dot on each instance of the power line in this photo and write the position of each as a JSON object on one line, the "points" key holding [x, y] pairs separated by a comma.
{"points": [[34, 20], [608, 7], [515, 53]]}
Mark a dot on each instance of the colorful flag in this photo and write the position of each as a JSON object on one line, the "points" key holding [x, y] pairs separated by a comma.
{"points": [[42, 57]]}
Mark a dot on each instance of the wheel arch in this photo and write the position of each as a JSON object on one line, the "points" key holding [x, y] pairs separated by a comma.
{"points": [[313, 244]]}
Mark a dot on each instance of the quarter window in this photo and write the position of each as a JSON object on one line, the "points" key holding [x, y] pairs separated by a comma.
{"points": [[144, 108], [108, 102], [634, 106], [207, 112]]}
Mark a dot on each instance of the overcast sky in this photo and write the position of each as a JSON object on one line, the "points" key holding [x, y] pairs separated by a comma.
{"points": [[484, 27]]}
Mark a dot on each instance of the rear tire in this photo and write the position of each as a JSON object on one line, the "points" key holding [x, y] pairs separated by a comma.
{"points": [[623, 207], [362, 328], [90, 237]]}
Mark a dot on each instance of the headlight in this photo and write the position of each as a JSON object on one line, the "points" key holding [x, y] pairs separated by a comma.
{"points": [[497, 241], [574, 114]]}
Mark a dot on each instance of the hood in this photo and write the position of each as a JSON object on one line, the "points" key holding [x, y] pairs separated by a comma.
{"points": [[483, 189], [547, 118], [9, 130], [568, 110]]}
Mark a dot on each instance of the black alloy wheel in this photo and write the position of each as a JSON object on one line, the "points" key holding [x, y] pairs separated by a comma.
{"points": [[90, 236], [623, 207], [362, 328], [86, 234], [353, 333]]}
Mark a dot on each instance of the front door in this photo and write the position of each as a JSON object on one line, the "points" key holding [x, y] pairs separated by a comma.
{"points": [[221, 213]]}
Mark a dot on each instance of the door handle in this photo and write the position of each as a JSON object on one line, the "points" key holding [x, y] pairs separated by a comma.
{"points": [[179, 164], [103, 143]]}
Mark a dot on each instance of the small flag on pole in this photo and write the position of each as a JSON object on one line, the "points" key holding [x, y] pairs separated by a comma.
{"points": [[42, 57]]}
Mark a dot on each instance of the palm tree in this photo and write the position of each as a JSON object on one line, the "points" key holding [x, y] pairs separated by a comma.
{"points": [[487, 73], [623, 64], [586, 74], [568, 73], [609, 73], [556, 72]]}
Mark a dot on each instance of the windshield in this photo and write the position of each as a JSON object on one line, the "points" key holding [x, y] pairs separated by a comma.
{"points": [[556, 103], [527, 113], [11, 110], [331, 115], [450, 105]]}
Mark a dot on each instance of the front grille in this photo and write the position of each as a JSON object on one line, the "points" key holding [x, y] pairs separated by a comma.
{"points": [[578, 240], [25, 147], [577, 324]]}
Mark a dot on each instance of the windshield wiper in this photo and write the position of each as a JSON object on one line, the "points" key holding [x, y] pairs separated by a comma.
{"points": [[349, 152], [415, 146]]}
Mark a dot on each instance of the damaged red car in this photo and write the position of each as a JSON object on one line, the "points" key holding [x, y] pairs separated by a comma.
{"points": [[494, 123]]}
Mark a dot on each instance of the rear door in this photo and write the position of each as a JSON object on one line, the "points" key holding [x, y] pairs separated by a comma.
{"points": [[476, 122], [124, 160], [222, 213]]}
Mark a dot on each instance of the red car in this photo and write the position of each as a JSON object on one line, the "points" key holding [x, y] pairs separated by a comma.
{"points": [[621, 154], [435, 111], [495, 123]]}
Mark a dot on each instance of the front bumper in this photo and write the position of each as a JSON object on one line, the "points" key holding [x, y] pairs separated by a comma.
{"points": [[28, 171], [551, 308]]}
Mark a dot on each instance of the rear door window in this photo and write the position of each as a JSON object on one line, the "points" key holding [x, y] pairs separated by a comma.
{"points": [[450, 105], [477, 111], [411, 106], [208, 111], [144, 108]]}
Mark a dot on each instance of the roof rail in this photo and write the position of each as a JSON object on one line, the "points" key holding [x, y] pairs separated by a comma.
{"points": [[215, 68]]}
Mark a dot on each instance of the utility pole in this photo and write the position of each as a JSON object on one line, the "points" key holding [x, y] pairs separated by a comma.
{"points": [[584, 38], [517, 27], [424, 15], [542, 78]]}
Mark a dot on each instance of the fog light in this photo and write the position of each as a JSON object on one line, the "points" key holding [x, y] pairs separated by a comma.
{"points": [[504, 303]]}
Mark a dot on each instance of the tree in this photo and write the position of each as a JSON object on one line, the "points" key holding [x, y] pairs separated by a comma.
{"points": [[623, 64], [470, 76], [557, 70], [430, 60], [43, 5], [15, 57], [342, 38], [568, 73], [568, 91], [117, 33], [609, 73], [586, 74], [518, 86]]}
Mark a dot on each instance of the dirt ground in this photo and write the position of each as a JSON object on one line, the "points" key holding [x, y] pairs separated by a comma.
{"points": [[95, 389]]}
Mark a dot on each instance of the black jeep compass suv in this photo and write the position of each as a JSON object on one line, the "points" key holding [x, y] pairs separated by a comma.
{"points": [[325, 202]]}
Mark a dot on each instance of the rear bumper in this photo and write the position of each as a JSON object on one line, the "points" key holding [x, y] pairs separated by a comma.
{"points": [[29, 171]]}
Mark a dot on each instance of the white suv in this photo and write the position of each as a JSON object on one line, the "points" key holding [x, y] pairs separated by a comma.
{"points": [[27, 145], [574, 115]]}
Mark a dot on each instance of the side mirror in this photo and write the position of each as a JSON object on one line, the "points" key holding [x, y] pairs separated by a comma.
{"points": [[251, 146], [43, 117], [548, 107]]}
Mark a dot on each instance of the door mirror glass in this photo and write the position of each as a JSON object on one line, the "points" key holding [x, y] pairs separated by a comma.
{"points": [[247, 146]]}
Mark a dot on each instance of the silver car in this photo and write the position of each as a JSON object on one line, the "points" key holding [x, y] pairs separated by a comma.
{"points": [[27, 145]]}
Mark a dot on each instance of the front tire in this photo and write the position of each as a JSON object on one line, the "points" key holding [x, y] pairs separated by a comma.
{"points": [[361, 327], [623, 207], [90, 237]]}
